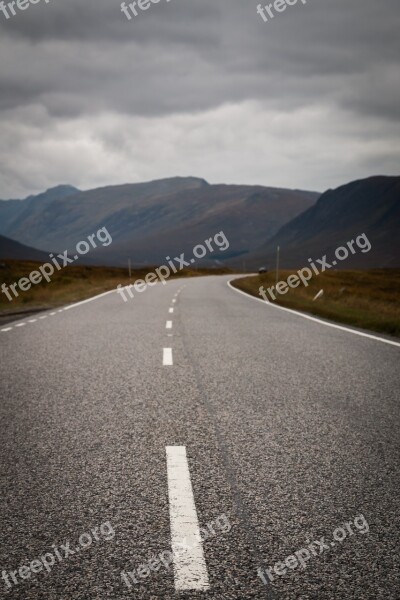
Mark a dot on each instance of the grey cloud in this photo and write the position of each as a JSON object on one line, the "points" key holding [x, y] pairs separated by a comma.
{"points": [[76, 60], [184, 56]]}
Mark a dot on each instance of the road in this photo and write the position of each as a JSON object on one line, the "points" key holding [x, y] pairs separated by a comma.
{"points": [[127, 426]]}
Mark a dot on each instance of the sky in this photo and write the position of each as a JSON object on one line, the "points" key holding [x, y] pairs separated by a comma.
{"points": [[206, 88]]}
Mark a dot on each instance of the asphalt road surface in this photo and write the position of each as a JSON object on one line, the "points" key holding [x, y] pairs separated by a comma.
{"points": [[192, 453]]}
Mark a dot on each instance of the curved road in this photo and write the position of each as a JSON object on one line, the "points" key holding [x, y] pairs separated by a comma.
{"points": [[165, 460]]}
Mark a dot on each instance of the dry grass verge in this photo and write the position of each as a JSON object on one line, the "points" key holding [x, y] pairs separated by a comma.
{"points": [[366, 299]]}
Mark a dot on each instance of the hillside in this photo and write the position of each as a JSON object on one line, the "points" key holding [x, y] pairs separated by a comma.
{"points": [[370, 206], [14, 213], [149, 220], [10, 249]]}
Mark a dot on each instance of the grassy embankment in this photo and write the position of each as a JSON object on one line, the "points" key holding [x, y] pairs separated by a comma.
{"points": [[366, 299], [71, 284]]}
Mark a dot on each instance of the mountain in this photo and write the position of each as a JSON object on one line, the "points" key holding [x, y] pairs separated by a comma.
{"points": [[10, 249], [148, 221], [15, 212], [370, 206]]}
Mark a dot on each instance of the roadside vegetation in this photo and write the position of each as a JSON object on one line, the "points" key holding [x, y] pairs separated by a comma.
{"points": [[71, 284], [366, 299]]}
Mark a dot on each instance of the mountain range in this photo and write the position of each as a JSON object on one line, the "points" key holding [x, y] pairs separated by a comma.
{"points": [[148, 221], [151, 220]]}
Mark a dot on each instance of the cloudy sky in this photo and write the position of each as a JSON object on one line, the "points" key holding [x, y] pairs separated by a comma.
{"points": [[309, 100]]}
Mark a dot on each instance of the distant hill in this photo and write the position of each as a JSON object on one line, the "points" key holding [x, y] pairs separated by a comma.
{"points": [[370, 206], [150, 220], [10, 249], [14, 212]]}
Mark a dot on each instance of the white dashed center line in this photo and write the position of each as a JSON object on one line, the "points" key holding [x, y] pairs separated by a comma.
{"points": [[171, 310], [7, 329], [20, 324], [32, 320], [169, 325], [167, 357], [190, 569]]}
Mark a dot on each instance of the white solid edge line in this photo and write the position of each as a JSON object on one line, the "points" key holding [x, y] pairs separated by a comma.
{"points": [[304, 316], [190, 569], [171, 310], [7, 329], [90, 299], [167, 357], [169, 325]]}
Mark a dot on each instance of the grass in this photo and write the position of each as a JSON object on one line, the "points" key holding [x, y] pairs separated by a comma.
{"points": [[366, 299], [71, 284]]}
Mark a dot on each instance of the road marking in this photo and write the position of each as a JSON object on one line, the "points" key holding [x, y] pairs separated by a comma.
{"points": [[52, 314], [20, 324], [304, 316], [43, 317], [32, 320], [167, 357], [169, 325], [173, 300], [7, 329], [171, 310], [90, 299], [190, 569]]}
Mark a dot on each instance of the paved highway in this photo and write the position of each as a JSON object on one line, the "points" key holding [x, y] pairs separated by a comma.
{"points": [[196, 443]]}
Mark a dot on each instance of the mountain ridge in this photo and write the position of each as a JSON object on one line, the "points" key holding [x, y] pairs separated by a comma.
{"points": [[370, 206], [153, 219]]}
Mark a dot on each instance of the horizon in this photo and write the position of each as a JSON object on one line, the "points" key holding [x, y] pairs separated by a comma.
{"points": [[279, 187]]}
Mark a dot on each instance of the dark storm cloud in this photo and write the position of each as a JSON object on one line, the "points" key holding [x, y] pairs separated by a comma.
{"points": [[74, 59], [191, 55]]}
